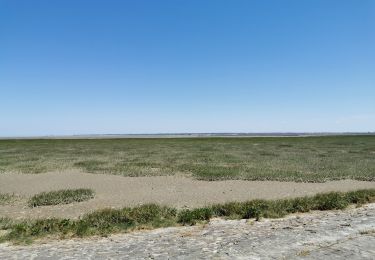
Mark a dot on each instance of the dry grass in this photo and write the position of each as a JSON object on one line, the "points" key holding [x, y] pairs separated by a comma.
{"points": [[367, 232]]}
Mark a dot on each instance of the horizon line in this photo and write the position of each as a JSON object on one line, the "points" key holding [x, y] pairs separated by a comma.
{"points": [[190, 134]]}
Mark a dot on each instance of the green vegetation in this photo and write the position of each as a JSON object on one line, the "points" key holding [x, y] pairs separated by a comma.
{"points": [[60, 197], [6, 198], [5, 223], [308, 159], [192, 216], [108, 221]]}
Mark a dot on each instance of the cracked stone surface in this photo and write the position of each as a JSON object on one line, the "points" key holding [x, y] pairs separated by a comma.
{"points": [[348, 234]]}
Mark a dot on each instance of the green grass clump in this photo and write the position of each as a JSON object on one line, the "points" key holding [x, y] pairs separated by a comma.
{"points": [[60, 197], [101, 222], [331, 200], [26, 231], [113, 220], [109, 221], [190, 217], [303, 159], [280, 208], [5, 223]]}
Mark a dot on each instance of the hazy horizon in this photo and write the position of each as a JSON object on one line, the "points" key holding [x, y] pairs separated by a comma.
{"points": [[213, 134], [133, 67]]}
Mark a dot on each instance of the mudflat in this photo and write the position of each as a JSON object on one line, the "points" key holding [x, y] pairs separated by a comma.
{"points": [[113, 191], [307, 159]]}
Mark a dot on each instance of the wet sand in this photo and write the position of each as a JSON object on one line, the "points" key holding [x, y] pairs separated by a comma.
{"points": [[117, 191]]}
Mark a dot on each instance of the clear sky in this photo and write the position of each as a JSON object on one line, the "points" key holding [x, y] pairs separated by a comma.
{"points": [[99, 67]]}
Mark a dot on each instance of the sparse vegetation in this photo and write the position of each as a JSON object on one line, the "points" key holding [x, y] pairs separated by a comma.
{"points": [[6, 198], [108, 221], [304, 253], [60, 197], [307, 159], [5, 223], [367, 232]]}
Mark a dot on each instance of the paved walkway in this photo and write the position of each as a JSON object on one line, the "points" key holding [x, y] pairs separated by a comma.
{"points": [[348, 234]]}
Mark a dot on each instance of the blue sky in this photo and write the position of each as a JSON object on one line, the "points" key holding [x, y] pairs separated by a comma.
{"points": [[96, 67]]}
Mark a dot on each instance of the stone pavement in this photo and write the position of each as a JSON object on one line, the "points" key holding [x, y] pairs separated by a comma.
{"points": [[348, 234]]}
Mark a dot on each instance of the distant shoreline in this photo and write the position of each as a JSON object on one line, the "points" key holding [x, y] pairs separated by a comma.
{"points": [[186, 135]]}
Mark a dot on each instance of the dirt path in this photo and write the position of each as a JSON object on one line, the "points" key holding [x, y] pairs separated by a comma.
{"points": [[119, 191], [348, 234]]}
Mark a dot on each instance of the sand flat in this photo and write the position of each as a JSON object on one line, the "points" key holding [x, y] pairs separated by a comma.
{"points": [[117, 191]]}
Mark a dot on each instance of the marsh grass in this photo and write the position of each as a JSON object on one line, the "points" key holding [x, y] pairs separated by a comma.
{"points": [[307, 159], [6, 198], [60, 197], [5, 223], [107, 221]]}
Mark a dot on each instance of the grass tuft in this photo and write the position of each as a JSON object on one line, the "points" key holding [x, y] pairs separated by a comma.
{"points": [[5, 223], [6, 198], [60, 197], [333, 200], [190, 217], [108, 221]]}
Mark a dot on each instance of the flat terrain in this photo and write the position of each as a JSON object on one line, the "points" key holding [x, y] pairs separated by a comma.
{"points": [[175, 171], [348, 234], [62, 188], [303, 159], [175, 191]]}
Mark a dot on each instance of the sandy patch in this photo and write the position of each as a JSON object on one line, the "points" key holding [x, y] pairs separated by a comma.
{"points": [[118, 191]]}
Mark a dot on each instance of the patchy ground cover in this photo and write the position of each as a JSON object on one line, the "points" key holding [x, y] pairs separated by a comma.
{"points": [[116, 191], [6, 198], [307, 159], [66, 196], [153, 187], [147, 216], [336, 234]]}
